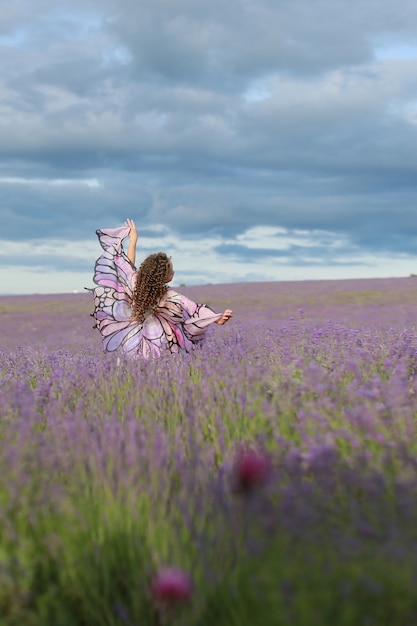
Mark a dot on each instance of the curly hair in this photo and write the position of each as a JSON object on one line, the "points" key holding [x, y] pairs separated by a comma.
{"points": [[151, 279]]}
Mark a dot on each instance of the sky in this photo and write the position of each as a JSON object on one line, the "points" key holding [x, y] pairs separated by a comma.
{"points": [[251, 140]]}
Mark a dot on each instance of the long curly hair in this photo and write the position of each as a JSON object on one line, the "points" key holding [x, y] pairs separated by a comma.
{"points": [[152, 276]]}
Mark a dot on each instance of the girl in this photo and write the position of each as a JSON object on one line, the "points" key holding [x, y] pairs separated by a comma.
{"points": [[135, 310]]}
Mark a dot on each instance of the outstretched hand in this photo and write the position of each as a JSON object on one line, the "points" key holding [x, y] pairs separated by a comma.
{"points": [[133, 233], [225, 317]]}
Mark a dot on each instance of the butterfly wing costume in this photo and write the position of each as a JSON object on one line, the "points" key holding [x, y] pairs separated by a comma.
{"points": [[176, 325]]}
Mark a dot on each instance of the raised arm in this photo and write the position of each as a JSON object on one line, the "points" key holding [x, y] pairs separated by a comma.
{"points": [[133, 236]]}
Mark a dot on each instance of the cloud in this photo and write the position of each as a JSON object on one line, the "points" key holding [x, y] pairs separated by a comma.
{"points": [[225, 45], [212, 120], [256, 254], [92, 183]]}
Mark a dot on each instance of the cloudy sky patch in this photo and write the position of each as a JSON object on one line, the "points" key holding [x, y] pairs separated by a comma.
{"points": [[254, 140]]}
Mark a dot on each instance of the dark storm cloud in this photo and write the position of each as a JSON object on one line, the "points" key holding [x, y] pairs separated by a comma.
{"points": [[42, 262], [297, 255], [226, 43], [210, 118]]}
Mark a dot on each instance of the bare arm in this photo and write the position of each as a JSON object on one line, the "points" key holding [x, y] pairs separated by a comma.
{"points": [[133, 236], [225, 317]]}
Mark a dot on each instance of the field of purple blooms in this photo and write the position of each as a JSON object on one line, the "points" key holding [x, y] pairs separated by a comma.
{"points": [[269, 477]]}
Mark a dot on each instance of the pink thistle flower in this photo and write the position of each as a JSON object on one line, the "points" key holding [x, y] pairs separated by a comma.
{"points": [[171, 585], [252, 469]]}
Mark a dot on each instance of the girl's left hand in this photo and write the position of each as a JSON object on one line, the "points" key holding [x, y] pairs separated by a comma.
{"points": [[133, 233]]}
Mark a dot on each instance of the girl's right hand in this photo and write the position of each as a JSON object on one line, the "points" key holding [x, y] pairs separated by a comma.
{"points": [[225, 317]]}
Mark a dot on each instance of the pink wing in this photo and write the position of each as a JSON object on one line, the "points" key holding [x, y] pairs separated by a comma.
{"points": [[114, 274], [197, 318], [113, 268]]}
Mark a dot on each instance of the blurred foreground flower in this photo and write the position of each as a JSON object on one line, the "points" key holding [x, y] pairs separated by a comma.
{"points": [[172, 585], [252, 469]]}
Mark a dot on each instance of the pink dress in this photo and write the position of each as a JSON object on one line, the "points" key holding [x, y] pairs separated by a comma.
{"points": [[174, 326]]}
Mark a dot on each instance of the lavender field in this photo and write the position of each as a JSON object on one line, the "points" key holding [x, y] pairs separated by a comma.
{"points": [[268, 478]]}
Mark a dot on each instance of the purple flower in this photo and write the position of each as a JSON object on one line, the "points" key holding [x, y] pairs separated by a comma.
{"points": [[252, 469], [171, 585]]}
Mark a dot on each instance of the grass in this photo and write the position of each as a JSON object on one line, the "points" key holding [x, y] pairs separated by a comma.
{"points": [[111, 471]]}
